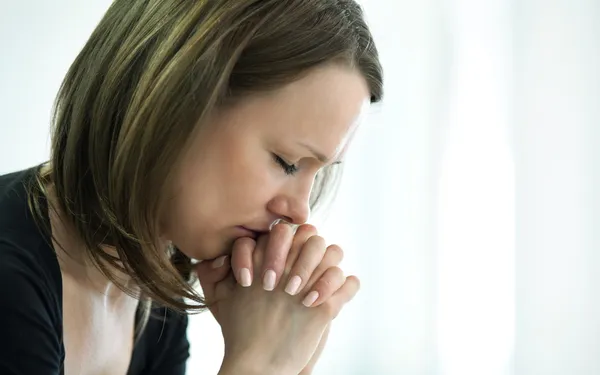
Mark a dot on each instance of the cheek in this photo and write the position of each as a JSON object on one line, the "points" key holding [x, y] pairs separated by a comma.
{"points": [[247, 177], [182, 207], [231, 186], [189, 226], [246, 191]]}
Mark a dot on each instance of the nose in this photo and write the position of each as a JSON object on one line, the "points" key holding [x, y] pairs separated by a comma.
{"points": [[292, 205]]}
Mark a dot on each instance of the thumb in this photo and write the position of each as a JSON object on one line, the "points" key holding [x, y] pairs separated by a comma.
{"points": [[210, 273]]}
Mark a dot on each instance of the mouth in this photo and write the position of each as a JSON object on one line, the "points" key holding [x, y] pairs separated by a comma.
{"points": [[252, 233]]}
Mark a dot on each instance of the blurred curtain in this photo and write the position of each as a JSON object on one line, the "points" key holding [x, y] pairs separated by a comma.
{"points": [[556, 141]]}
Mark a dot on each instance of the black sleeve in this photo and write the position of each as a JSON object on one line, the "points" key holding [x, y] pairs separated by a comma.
{"points": [[166, 337], [30, 328]]}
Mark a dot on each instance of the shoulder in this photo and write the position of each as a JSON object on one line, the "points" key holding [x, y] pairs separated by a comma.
{"points": [[29, 270], [24, 249], [30, 312], [22, 271]]}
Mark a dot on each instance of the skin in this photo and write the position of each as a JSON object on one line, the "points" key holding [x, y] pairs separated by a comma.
{"points": [[98, 318], [322, 110], [325, 278], [264, 342], [228, 178]]}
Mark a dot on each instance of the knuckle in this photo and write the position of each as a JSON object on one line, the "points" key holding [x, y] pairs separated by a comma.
{"points": [[331, 280], [277, 229], [244, 243], [316, 241], [281, 229], [275, 260], [306, 229], [335, 249], [331, 259], [309, 262], [277, 256], [239, 261], [325, 283], [302, 270], [336, 252], [337, 274]]}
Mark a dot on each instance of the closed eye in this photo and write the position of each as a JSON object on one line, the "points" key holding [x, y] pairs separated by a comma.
{"points": [[289, 169]]}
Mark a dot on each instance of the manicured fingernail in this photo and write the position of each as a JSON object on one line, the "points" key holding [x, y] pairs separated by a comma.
{"points": [[310, 298], [293, 285], [269, 280], [274, 223], [219, 262], [245, 278]]}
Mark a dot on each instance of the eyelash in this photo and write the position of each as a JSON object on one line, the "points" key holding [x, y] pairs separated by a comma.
{"points": [[289, 169]]}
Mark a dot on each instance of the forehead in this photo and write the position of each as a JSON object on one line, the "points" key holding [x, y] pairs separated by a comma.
{"points": [[323, 108], [326, 96]]}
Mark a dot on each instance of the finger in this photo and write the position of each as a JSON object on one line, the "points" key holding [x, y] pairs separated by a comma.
{"points": [[258, 255], [343, 295], [241, 260], [224, 287], [332, 280], [309, 259], [280, 241], [303, 233], [210, 272], [222, 290], [332, 258]]}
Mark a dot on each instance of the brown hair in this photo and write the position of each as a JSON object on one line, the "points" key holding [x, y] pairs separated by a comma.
{"points": [[149, 74]]}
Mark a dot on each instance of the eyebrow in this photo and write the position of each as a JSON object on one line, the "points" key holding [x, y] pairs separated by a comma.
{"points": [[322, 158]]}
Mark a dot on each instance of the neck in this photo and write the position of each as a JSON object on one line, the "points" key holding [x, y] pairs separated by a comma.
{"points": [[74, 258]]}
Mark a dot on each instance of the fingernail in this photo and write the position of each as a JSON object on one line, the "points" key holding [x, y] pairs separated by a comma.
{"points": [[311, 298], [293, 285], [269, 280], [245, 278], [274, 223], [219, 262]]}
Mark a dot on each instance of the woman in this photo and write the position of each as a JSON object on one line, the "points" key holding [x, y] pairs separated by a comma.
{"points": [[183, 131]]}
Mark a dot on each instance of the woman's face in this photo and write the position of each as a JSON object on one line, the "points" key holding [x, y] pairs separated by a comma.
{"points": [[255, 162]]}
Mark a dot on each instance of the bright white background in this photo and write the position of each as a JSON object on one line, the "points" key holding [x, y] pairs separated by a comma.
{"points": [[468, 206]]}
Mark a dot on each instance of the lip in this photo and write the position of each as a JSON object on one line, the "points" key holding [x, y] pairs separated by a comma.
{"points": [[252, 233], [246, 232]]}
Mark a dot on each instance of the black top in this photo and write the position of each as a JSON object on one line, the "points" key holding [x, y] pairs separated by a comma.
{"points": [[31, 315]]}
